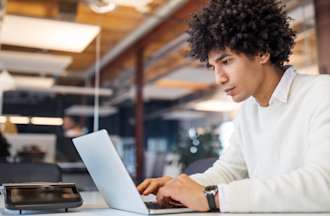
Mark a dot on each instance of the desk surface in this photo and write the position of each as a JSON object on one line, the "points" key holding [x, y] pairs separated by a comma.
{"points": [[94, 204]]}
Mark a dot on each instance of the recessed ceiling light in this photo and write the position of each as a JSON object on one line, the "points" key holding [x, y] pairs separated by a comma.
{"points": [[102, 6], [32, 63], [19, 120], [33, 82], [46, 121], [47, 34]]}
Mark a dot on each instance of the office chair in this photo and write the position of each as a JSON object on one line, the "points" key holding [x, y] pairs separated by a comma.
{"points": [[199, 166], [29, 172]]}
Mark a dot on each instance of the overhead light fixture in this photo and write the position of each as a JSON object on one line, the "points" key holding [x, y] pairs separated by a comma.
{"points": [[216, 106], [102, 6], [33, 82], [46, 121], [183, 115], [83, 110], [51, 121], [7, 82], [32, 63], [70, 90], [52, 35], [159, 93], [3, 119], [19, 120]]}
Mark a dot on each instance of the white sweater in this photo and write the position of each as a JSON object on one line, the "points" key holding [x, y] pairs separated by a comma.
{"points": [[279, 156]]}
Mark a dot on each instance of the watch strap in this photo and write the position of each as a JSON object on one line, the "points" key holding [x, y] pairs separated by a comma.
{"points": [[210, 192]]}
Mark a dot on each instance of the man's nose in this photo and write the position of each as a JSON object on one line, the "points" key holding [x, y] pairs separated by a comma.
{"points": [[220, 78]]}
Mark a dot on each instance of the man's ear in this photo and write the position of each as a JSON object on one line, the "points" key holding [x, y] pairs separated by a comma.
{"points": [[264, 58]]}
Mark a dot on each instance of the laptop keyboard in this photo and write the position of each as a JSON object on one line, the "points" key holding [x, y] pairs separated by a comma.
{"points": [[154, 205]]}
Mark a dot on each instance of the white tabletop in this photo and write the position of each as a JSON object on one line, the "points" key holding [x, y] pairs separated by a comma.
{"points": [[94, 204]]}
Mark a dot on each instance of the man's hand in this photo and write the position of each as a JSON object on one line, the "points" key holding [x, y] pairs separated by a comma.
{"points": [[185, 191], [152, 185]]}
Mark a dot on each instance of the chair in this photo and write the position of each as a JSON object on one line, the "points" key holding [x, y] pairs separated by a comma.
{"points": [[200, 166], [29, 172]]}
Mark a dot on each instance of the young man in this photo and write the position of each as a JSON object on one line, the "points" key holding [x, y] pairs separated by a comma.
{"points": [[279, 156]]}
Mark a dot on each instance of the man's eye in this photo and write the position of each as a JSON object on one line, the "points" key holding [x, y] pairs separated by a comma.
{"points": [[226, 61], [210, 67]]}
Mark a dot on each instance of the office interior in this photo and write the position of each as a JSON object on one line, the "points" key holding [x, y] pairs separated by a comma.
{"points": [[69, 68]]}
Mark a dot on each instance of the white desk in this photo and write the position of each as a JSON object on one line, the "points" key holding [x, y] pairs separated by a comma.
{"points": [[95, 205]]}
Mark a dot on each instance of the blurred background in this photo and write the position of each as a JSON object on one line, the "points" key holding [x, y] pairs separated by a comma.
{"points": [[69, 67]]}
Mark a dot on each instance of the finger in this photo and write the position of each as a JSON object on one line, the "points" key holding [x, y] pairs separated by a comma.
{"points": [[166, 202], [173, 202], [160, 196], [152, 188], [141, 187], [163, 197]]}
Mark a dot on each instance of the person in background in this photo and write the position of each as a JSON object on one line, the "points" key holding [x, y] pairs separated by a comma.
{"points": [[278, 159], [72, 126], [4, 148]]}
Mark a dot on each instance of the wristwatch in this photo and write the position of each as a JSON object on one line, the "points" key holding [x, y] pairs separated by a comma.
{"points": [[210, 192]]}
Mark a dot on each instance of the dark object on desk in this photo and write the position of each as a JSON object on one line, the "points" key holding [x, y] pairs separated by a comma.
{"points": [[30, 154], [29, 172], [65, 150], [41, 196], [4, 148], [200, 166]]}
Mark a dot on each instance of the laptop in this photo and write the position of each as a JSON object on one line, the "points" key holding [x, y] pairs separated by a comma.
{"points": [[111, 177]]}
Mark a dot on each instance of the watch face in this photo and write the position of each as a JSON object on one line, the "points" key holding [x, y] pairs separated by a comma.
{"points": [[211, 188]]}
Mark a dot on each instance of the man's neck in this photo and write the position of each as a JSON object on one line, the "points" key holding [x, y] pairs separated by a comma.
{"points": [[272, 77]]}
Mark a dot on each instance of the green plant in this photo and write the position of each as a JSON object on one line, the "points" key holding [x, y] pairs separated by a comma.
{"points": [[197, 144]]}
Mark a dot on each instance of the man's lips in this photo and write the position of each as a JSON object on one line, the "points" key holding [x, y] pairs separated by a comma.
{"points": [[229, 91]]}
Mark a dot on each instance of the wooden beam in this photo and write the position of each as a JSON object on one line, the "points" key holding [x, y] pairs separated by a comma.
{"points": [[139, 109], [175, 23]]}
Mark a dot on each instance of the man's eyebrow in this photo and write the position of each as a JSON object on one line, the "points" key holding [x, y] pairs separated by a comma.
{"points": [[221, 57]]}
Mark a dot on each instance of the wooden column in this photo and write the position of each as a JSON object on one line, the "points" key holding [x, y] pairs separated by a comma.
{"points": [[139, 109], [322, 18]]}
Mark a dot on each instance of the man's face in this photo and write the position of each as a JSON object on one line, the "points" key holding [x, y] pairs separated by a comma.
{"points": [[239, 75]]}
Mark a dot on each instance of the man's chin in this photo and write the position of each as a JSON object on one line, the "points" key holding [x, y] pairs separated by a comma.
{"points": [[238, 99]]}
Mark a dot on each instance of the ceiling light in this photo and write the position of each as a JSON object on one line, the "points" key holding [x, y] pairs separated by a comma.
{"points": [[50, 34], [27, 62], [3, 119], [140, 5], [159, 93], [216, 106], [184, 115], [19, 120], [7, 82], [33, 82], [46, 121], [70, 90], [102, 6], [82, 110]]}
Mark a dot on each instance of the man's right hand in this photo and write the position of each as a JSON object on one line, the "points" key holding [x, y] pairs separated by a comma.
{"points": [[151, 186]]}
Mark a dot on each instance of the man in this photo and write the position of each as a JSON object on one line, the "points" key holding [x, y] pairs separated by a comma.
{"points": [[279, 156]]}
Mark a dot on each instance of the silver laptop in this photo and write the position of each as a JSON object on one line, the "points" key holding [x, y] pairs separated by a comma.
{"points": [[110, 176]]}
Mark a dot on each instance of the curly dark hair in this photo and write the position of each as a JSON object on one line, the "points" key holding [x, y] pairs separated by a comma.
{"points": [[245, 26]]}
